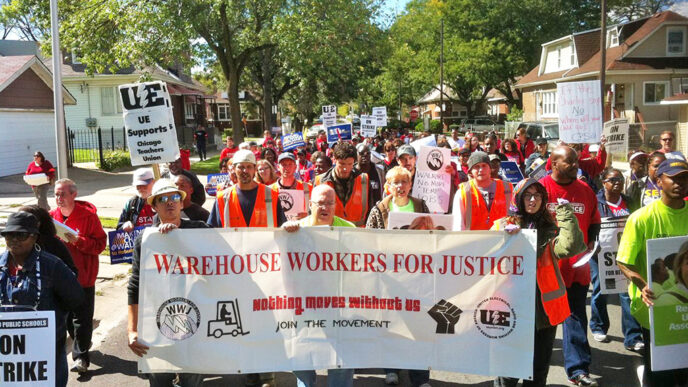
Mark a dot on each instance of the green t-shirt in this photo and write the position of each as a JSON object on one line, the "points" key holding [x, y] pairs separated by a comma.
{"points": [[336, 222], [655, 220], [407, 208]]}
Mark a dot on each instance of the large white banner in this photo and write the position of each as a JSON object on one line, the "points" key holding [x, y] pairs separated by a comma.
{"points": [[255, 300], [148, 121], [579, 108], [27, 346]]}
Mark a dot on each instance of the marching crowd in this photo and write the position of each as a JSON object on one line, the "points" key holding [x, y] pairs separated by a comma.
{"points": [[358, 183]]}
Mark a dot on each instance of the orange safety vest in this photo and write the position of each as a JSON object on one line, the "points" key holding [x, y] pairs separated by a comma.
{"points": [[356, 209], [476, 215], [305, 187], [229, 207]]}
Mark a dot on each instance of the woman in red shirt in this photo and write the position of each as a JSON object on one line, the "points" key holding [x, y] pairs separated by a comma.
{"points": [[41, 165]]}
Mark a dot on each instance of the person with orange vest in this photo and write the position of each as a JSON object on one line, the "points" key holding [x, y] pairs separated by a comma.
{"points": [[556, 240], [352, 187], [481, 200], [287, 181], [247, 203]]}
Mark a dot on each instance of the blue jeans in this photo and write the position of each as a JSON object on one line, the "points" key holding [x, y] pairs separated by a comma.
{"points": [[599, 319], [575, 342], [417, 377], [336, 377], [61, 371]]}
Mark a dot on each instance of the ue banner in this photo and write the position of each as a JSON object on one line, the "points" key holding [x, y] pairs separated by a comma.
{"points": [[511, 171], [292, 141], [28, 348], [338, 132], [257, 300], [122, 245]]}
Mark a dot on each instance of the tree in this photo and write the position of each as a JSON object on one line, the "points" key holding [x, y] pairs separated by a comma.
{"points": [[19, 17], [628, 10]]}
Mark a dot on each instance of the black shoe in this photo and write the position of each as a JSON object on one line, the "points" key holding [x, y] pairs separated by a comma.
{"points": [[582, 380]]}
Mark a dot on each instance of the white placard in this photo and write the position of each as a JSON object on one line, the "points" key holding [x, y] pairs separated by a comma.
{"points": [[329, 115], [36, 179], [368, 126], [293, 202], [425, 141], [418, 221], [616, 132], [149, 123], [432, 183], [380, 114], [612, 280], [63, 230], [580, 112], [28, 348], [266, 300]]}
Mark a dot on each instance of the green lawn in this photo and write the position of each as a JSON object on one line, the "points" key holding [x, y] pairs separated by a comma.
{"points": [[211, 165], [108, 222]]}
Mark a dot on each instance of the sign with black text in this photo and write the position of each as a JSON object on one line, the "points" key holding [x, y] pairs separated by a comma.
{"points": [[329, 115], [612, 280], [580, 111], [432, 183], [148, 122], [368, 126], [380, 114], [616, 133], [121, 245], [27, 346]]}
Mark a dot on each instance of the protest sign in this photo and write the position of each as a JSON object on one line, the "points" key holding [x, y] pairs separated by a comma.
{"points": [[540, 170], [368, 126], [669, 315], [28, 348], [380, 114], [579, 108], [148, 122], [425, 141], [432, 183], [36, 179], [616, 132], [376, 158], [293, 202], [338, 132], [292, 141], [612, 280], [419, 221], [511, 171], [256, 300], [213, 181], [122, 245], [329, 115]]}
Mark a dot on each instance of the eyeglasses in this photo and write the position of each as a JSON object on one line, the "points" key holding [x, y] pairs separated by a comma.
{"points": [[322, 204], [176, 198], [667, 139], [261, 170], [17, 236], [530, 196], [36, 156]]}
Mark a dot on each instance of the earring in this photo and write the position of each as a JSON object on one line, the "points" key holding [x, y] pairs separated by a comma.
{"points": [[37, 247]]}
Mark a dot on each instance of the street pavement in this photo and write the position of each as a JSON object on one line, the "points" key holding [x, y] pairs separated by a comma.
{"points": [[113, 364]]}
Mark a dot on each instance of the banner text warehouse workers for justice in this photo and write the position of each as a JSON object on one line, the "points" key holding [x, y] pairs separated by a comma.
{"points": [[457, 265]]}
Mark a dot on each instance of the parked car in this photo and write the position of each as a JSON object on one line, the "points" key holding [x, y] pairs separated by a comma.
{"points": [[480, 124], [313, 131], [546, 129]]}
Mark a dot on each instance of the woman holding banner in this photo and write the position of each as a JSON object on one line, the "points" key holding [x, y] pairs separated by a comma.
{"points": [[555, 240]]}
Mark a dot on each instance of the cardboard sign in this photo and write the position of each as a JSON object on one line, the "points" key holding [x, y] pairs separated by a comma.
{"points": [[380, 114], [122, 245], [293, 202], [669, 315], [612, 280], [616, 132], [511, 171], [338, 132], [28, 348], [213, 181], [432, 183], [292, 141], [418, 221], [36, 179], [580, 112], [148, 121], [329, 115], [368, 126], [539, 171]]}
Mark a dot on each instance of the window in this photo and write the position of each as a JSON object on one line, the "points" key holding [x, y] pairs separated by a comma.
{"points": [[559, 57], [612, 38], [655, 92], [548, 102], [676, 41], [223, 112], [189, 110], [76, 58], [679, 86], [110, 101]]}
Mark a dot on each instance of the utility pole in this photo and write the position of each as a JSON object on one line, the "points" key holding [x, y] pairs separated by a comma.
{"points": [[58, 105], [399, 99], [442, 75], [603, 53]]}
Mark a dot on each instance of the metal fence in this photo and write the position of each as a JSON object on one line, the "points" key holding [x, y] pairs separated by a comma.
{"points": [[89, 145]]}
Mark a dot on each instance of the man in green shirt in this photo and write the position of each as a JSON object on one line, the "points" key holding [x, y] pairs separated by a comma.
{"points": [[667, 217]]}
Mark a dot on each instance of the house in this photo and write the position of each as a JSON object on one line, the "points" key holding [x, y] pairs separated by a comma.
{"points": [[453, 111], [646, 62], [26, 112], [497, 105], [219, 116], [681, 102]]}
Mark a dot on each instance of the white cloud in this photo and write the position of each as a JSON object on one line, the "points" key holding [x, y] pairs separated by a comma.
{"points": [[680, 7]]}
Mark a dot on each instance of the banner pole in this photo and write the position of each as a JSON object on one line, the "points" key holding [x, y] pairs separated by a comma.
{"points": [[156, 171]]}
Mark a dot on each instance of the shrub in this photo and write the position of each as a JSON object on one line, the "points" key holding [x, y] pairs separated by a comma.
{"points": [[114, 159], [228, 133], [516, 114], [420, 127], [435, 126]]}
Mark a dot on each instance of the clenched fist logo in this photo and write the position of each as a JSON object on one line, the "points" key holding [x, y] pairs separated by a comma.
{"points": [[446, 315]]}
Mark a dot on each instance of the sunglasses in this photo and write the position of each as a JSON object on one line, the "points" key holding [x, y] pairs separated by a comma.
{"points": [[176, 198], [17, 236], [667, 139]]}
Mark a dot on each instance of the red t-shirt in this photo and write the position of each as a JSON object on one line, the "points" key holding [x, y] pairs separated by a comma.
{"points": [[619, 209], [45, 167], [228, 152], [584, 204], [145, 216]]}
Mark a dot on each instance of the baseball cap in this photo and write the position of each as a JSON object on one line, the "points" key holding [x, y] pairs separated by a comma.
{"points": [[142, 176], [406, 150], [671, 167], [477, 158], [244, 156], [541, 140], [164, 186], [286, 156], [21, 221], [494, 157]]}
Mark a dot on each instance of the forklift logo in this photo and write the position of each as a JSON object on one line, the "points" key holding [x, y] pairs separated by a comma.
{"points": [[178, 318], [228, 320]]}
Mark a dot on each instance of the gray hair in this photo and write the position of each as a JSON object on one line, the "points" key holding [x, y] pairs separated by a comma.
{"points": [[67, 182]]}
